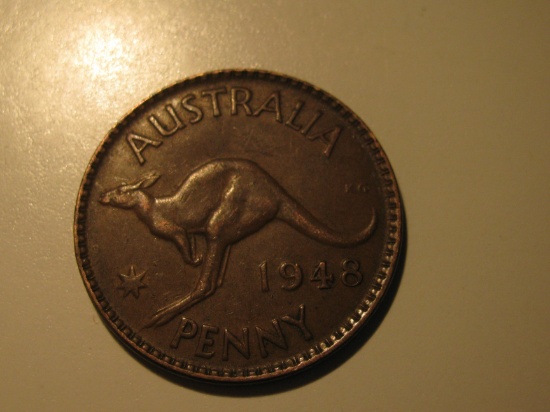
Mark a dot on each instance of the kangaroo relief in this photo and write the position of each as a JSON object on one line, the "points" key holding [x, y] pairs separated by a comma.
{"points": [[225, 201]]}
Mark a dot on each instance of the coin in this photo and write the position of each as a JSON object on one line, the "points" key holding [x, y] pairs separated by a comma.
{"points": [[238, 226]]}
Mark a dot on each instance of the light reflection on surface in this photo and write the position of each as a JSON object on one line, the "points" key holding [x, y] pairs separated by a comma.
{"points": [[101, 54], [104, 58]]}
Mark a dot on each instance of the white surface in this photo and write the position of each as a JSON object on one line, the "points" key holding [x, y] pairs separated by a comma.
{"points": [[457, 93]]}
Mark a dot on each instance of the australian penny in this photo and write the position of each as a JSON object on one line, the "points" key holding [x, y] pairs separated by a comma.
{"points": [[238, 226]]}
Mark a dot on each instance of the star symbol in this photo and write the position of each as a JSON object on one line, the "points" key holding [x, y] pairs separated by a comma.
{"points": [[132, 283]]}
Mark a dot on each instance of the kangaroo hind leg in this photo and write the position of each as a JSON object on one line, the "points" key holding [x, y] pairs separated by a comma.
{"points": [[221, 274], [205, 286]]}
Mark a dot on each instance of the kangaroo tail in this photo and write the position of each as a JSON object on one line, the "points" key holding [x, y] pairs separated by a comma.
{"points": [[291, 212]]}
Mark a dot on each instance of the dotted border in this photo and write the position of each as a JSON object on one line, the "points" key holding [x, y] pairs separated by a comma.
{"points": [[293, 363]]}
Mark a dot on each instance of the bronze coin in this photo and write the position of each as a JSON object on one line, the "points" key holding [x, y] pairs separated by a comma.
{"points": [[238, 226]]}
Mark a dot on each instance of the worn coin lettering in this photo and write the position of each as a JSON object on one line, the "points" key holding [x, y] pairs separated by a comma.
{"points": [[209, 343], [233, 101]]}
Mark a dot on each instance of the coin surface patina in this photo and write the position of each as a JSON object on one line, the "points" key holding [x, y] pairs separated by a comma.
{"points": [[238, 226]]}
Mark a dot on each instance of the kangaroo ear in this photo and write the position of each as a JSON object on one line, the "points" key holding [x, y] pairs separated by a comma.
{"points": [[149, 180]]}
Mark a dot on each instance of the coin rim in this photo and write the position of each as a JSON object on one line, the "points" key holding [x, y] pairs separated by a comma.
{"points": [[342, 333]]}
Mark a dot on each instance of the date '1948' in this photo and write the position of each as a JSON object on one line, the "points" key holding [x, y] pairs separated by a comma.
{"points": [[293, 275]]}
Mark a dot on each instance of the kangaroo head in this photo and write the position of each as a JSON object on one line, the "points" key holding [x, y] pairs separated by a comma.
{"points": [[126, 196]]}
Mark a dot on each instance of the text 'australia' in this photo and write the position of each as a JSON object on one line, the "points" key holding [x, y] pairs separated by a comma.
{"points": [[234, 101]]}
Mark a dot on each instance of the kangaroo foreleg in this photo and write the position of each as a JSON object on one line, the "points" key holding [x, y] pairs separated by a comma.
{"points": [[205, 286], [186, 247]]}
